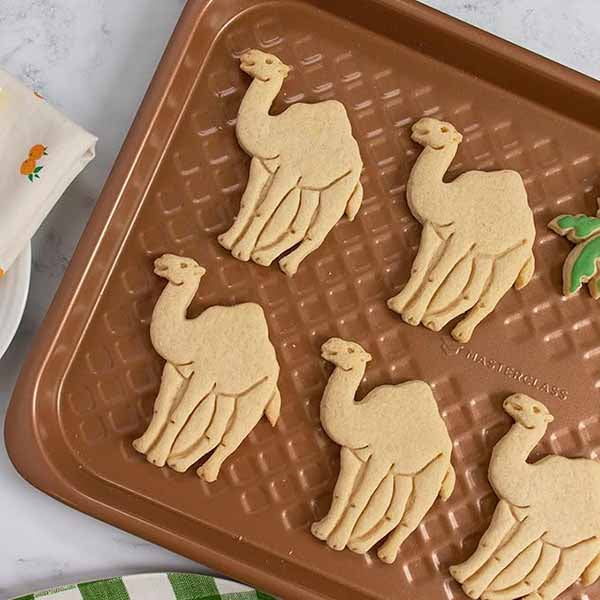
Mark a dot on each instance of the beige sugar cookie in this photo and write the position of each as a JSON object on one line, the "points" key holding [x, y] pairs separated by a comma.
{"points": [[477, 237], [304, 173], [395, 456], [219, 379], [545, 531]]}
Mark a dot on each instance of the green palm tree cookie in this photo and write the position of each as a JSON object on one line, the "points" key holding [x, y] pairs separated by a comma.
{"points": [[582, 265]]}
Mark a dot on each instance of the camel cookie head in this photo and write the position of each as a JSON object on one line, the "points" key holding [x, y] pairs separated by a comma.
{"points": [[527, 412], [263, 66], [177, 269], [343, 354], [434, 133]]}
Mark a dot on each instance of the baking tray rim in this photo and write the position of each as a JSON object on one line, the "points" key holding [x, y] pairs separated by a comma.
{"points": [[37, 467]]}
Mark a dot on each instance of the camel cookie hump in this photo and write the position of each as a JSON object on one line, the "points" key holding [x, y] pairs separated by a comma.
{"points": [[418, 426], [311, 156], [234, 329], [566, 520], [320, 114], [495, 223]]}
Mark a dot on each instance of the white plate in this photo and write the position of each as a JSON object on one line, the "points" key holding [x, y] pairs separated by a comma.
{"points": [[14, 287]]}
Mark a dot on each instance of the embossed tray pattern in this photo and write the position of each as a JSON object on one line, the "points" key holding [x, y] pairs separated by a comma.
{"points": [[88, 388]]}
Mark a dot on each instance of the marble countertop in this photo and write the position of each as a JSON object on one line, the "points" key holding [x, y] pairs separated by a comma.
{"points": [[93, 59]]}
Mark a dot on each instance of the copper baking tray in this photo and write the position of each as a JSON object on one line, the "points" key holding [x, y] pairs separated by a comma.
{"points": [[87, 389]]}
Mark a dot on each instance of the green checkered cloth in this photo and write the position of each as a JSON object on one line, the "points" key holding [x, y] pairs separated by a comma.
{"points": [[160, 586]]}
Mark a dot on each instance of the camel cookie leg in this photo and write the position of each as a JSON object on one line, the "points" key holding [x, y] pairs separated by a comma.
{"points": [[282, 184], [248, 410], [450, 291], [429, 246], [526, 273], [194, 429], [350, 467], [482, 268], [403, 487], [375, 471], [280, 222], [515, 572], [545, 565], [332, 204], [572, 563], [448, 483], [172, 384], [454, 251], [197, 389], [427, 486], [239, 430], [518, 569], [273, 408], [592, 572], [378, 505], [500, 525], [504, 274], [257, 184], [224, 407], [526, 533], [355, 202], [309, 203]]}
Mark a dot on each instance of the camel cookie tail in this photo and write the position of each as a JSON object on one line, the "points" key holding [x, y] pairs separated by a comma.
{"points": [[526, 273], [448, 483], [591, 572], [354, 202], [273, 408]]}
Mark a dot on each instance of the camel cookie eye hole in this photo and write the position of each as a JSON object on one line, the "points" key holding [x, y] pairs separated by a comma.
{"points": [[183, 265], [444, 130], [536, 410], [269, 61], [350, 350]]}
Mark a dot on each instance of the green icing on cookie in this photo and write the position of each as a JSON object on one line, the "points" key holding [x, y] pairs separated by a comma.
{"points": [[584, 267], [583, 225]]}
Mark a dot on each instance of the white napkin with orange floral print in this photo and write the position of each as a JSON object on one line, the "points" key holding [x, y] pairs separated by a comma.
{"points": [[41, 152]]}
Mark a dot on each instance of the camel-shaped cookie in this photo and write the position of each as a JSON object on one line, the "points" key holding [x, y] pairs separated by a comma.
{"points": [[477, 237], [582, 265], [395, 456], [304, 172], [220, 376], [545, 531]]}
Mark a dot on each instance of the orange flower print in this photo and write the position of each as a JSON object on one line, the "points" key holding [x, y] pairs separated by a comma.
{"points": [[37, 152], [29, 167]]}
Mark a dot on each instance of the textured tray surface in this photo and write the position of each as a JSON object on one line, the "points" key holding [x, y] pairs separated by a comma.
{"points": [[100, 391]]}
